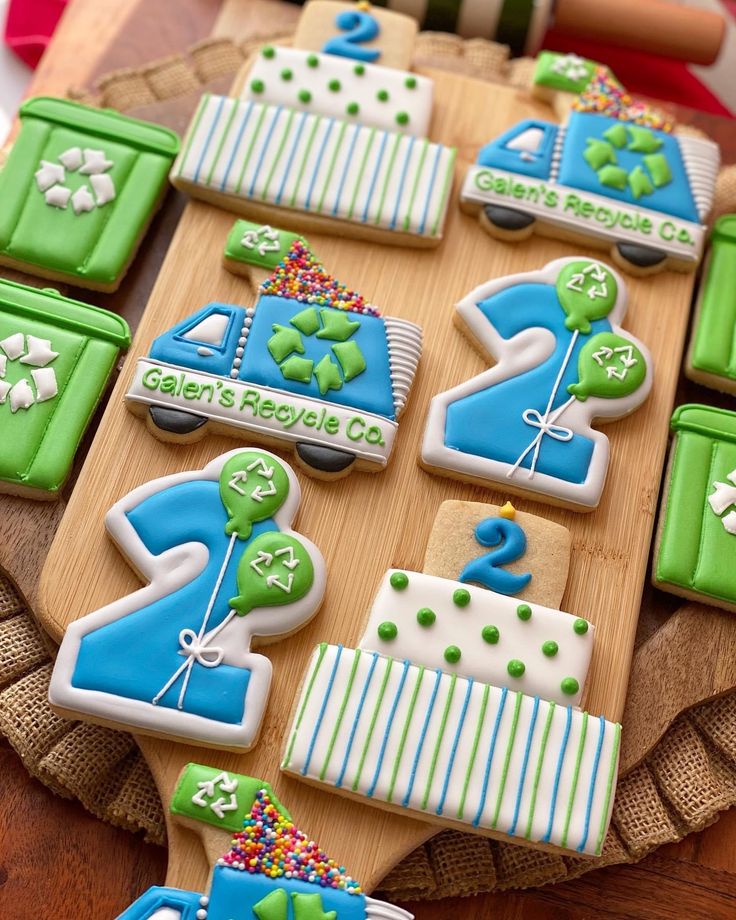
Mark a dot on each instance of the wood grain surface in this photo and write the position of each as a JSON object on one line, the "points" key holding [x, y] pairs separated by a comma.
{"points": [[103, 868]]}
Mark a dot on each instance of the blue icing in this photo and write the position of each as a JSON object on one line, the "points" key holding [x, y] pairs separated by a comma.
{"points": [[675, 198], [510, 541], [134, 657], [234, 892], [489, 423], [370, 391], [173, 348], [158, 898], [534, 162]]}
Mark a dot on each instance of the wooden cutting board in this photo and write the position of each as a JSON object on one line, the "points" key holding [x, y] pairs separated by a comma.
{"points": [[366, 523]]}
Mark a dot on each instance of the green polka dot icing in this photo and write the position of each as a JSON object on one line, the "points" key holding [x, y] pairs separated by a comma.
{"points": [[305, 96], [461, 597], [491, 634], [359, 70], [352, 108], [388, 631], [452, 654], [399, 580], [287, 74], [569, 686], [580, 626], [382, 95], [524, 612], [257, 86], [550, 648], [426, 617], [269, 52], [402, 118], [312, 61], [334, 86], [516, 668], [410, 83]]}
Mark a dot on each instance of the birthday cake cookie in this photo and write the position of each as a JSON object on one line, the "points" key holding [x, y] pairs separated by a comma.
{"points": [[270, 871], [695, 551], [612, 175], [333, 138], [460, 706], [78, 191], [312, 365], [223, 570], [561, 361], [56, 356]]}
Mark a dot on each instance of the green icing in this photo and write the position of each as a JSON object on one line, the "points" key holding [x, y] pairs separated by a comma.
{"points": [[275, 906], [244, 788], [616, 135], [312, 61], [643, 140], [452, 654], [565, 72], [259, 244], [351, 359], [257, 86], [299, 369], [352, 108], [337, 325], [610, 366], [639, 182], [359, 70], [304, 96], [550, 648], [283, 342], [310, 907], [268, 52], [382, 95], [253, 486], [658, 166], [327, 375], [38, 443], [461, 597], [410, 83], [287, 74], [587, 291], [307, 322], [275, 569], [580, 626], [426, 617], [334, 86], [387, 631], [569, 686], [399, 580], [402, 118], [613, 177], [598, 153], [713, 347], [524, 612], [490, 634], [516, 668], [92, 247]]}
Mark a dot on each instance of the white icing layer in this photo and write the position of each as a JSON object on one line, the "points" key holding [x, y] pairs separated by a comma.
{"points": [[440, 745], [462, 627], [386, 98], [319, 165]]}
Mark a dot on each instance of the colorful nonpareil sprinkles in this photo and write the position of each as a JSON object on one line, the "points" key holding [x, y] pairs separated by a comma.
{"points": [[300, 276], [605, 96], [270, 844]]}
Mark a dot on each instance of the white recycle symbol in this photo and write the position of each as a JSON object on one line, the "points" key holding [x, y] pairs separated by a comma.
{"points": [[51, 180], [724, 498], [34, 353], [571, 66]]}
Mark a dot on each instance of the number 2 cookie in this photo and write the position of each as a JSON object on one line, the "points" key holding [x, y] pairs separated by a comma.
{"points": [[460, 704], [562, 361], [330, 135], [223, 569]]}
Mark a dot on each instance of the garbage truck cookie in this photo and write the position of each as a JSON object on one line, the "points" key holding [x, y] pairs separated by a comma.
{"points": [[312, 365], [613, 176]]}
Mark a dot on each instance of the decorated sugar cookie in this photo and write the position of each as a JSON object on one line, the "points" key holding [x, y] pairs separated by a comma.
{"points": [[558, 72], [561, 361], [613, 175], [695, 554], [711, 359], [78, 191], [329, 134], [223, 569], [459, 706], [268, 870], [56, 356], [255, 250], [312, 365]]}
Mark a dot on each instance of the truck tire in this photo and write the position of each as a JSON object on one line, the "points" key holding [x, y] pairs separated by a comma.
{"points": [[175, 421], [644, 258], [326, 460], [509, 220]]}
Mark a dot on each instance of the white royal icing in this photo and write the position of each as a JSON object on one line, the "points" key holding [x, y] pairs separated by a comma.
{"points": [[724, 499], [33, 352]]}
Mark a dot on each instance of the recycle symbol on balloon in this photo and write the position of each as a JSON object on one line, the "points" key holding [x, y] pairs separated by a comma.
{"points": [[651, 171], [25, 378], [52, 180], [332, 327]]}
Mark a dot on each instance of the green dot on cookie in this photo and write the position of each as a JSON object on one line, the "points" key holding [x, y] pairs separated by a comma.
{"points": [[516, 668], [399, 580], [550, 648], [426, 617], [490, 634], [580, 626], [461, 597], [452, 654], [387, 631], [569, 686], [524, 612]]}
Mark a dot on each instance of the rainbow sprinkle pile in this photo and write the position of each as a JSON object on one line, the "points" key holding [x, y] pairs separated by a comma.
{"points": [[604, 95], [300, 276], [271, 845]]}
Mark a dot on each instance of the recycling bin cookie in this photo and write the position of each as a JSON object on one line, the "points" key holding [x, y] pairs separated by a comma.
{"points": [[56, 356], [78, 191]]}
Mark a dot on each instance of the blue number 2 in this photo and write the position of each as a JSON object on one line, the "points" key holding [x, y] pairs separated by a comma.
{"points": [[484, 570], [360, 27]]}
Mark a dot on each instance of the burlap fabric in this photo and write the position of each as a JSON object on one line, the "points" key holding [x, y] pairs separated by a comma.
{"points": [[688, 777]]}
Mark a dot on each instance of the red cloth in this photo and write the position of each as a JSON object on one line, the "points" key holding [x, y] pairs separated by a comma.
{"points": [[30, 25]]}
